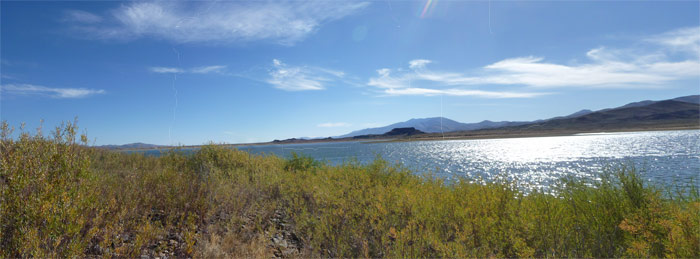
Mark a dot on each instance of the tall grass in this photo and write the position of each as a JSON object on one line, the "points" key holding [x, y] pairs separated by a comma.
{"points": [[60, 198]]}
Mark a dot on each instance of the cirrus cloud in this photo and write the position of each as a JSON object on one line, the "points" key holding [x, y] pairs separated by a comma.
{"points": [[59, 93], [301, 78], [652, 66], [166, 70], [196, 70], [283, 22], [81, 16]]}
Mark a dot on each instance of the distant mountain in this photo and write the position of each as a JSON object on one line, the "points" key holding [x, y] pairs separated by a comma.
{"points": [[578, 113], [669, 112], [436, 125], [441, 124], [432, 125], [403, 131], [573, 115], [688, 99], [393, 133], [635, 104], [137, 145]]}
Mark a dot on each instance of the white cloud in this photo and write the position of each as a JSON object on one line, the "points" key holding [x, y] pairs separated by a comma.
{"points": [[534, 72], [6, 76], [418, 63], [333, 125], [29, 89], [208, 69], [291, 78], [283, 22], [683, 39], [460, 92], [418, 80], [650, 66], [166, 70], [197, 70], [81, 16]]}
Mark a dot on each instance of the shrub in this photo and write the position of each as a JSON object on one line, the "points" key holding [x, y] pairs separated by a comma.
{"points": [[59, 198]]}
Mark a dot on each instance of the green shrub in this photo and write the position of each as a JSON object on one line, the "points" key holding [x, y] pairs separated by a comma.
{"points": [[59, 198], [300, 163]]}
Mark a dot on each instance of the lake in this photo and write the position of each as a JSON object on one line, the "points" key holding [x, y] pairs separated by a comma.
{"points": [[665, 157]]}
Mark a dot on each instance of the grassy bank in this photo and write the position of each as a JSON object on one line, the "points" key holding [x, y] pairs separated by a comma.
{"points": [[60, 199]]}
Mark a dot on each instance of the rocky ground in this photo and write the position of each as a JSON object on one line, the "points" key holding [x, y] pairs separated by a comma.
{"points": [[284, 242]]}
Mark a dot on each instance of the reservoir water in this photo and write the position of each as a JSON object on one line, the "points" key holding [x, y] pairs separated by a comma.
{"points": [[663, 157]]}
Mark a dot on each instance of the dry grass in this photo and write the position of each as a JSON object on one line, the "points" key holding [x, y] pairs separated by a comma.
{"points": [[62, 199]]}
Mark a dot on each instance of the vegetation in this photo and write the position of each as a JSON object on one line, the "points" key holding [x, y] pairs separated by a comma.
{"points": [[59, 198]]}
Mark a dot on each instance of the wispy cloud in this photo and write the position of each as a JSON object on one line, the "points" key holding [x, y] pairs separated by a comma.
{"points": [[166, 70], [67, 93], [208, 69], [6, 76], [461, 92], [283, 22], [196, 70], [301, 78], [333, 125], [418, 80], [79, 16], [650, 66], [683, 39], [608, 69]]}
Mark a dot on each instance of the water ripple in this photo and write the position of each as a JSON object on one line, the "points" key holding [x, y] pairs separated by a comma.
{"points": [[665, 157]]}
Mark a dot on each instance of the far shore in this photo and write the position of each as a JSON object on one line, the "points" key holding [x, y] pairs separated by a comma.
{"points": [[464, 135]]}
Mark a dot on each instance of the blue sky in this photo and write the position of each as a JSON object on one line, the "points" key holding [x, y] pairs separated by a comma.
{"points": [[192, 72]]}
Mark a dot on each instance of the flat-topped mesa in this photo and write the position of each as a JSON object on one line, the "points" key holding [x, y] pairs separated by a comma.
{"points": [[404, 131]]}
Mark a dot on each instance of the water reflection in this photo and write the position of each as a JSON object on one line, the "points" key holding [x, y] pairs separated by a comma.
{"points": [[662, 157]]}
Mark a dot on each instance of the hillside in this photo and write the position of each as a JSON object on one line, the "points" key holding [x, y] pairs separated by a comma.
{"points": [[681, 111], [659, 115], [445, 125], [656, 113], [433, 125], [393, 133]]}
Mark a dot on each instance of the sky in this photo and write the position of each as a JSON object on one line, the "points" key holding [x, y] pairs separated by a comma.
{"points": [[188, 73]]}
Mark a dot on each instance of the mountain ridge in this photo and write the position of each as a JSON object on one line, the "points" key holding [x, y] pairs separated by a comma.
{"points": [[435, 125]]}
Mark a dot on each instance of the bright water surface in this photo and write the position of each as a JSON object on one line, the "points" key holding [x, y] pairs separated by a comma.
{"points": [[663, 157]]}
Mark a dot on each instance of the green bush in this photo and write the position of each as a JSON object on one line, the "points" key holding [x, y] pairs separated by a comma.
{"points": [[60, 198], [300, 163]]}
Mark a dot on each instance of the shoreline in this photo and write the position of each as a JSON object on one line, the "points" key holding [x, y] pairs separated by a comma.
{"points": [[489, 134], [468, 135]]}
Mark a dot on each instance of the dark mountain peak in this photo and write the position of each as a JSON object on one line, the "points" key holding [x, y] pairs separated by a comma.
{"points": [[579, 113], [688, 99], [668, 112], [403, 131], [430, 119], [637, 104], [443, 125]]}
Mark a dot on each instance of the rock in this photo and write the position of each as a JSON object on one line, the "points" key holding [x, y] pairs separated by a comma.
{"points": [[283, 243], [288, 252], [95, 249]]}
